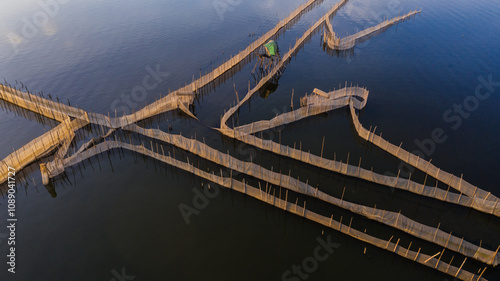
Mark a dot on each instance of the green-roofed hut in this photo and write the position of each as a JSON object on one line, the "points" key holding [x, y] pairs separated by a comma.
{"points": [[269, 56], [271, 48]]}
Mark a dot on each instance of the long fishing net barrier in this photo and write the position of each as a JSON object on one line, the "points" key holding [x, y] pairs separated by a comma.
{"points": [[350, 41], [202, 150], [321, 102], [234, 60], [317, 103], [354, 98], [73, 119], [263, 195]]}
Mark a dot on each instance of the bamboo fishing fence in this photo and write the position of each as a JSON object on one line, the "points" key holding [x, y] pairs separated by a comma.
{"points": [[350, 41], [355, 98]]}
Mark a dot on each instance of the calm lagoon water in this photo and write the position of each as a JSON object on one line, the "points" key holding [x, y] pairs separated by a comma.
{"points": [[123, 213]]}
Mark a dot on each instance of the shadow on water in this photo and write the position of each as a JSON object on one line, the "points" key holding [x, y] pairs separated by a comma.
{"points": [[268, 89]]}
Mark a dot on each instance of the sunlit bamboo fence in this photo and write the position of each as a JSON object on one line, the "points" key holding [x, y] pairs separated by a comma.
{"points": [[72, 119], [391, 219], [348, 42], [316, 103], [355, 98], [470, 196]]}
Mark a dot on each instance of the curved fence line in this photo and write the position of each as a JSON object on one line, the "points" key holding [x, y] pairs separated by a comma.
{"points": [[326, 101], [58, 111], [348, 42]]}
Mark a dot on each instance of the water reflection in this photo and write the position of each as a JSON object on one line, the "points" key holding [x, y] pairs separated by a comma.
{"points": [[268, 89]]}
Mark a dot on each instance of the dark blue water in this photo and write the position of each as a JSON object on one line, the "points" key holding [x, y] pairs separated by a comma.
{"points": [[119, 212]]}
